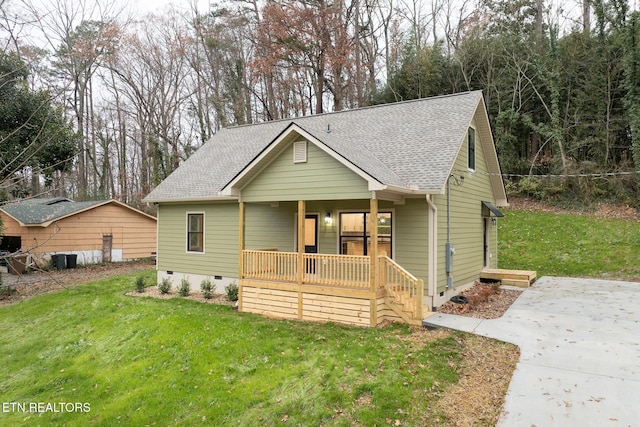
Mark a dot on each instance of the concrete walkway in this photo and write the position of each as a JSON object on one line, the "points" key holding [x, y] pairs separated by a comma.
{"points": [[579, 345]]}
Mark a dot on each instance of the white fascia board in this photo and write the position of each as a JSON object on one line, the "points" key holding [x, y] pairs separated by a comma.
{"points": [[407, 191]]}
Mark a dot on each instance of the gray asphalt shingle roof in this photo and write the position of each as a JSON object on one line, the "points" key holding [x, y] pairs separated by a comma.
{"points": [[410, 144], [40, 210]]}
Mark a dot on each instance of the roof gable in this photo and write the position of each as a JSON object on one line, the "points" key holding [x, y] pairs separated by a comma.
{"points": [[292, 133], [319, 177], [408, 147]]}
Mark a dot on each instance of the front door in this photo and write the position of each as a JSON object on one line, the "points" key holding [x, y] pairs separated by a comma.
{"points": [[311, 234], [311, 240]]}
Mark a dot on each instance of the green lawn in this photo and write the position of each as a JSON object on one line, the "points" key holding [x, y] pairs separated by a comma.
{"points": [[142, 361], [569, 244]]}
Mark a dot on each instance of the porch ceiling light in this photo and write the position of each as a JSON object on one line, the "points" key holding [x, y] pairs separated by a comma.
{"points": [[327, 218]]}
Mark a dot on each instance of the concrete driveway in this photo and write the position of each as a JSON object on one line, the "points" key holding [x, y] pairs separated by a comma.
{"points": [[580, 352]]}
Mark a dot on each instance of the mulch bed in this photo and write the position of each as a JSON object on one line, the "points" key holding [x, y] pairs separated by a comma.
{"points": [[195, 295], [485, 301]]}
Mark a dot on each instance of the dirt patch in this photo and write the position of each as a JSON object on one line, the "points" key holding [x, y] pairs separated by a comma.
{"points": [[41, 282]]}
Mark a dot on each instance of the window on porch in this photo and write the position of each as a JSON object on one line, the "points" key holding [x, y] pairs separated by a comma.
{"points": [[355, 233]]}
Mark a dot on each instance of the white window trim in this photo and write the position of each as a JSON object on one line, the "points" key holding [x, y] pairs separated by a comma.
{"points": [[186, 240]]}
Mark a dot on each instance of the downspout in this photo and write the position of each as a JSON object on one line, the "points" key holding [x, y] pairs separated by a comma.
{"points": [[432, 261], [449, 245]]}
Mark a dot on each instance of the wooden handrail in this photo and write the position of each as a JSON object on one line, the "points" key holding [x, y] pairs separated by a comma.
{"points": [[403, 286], [333, 270]]}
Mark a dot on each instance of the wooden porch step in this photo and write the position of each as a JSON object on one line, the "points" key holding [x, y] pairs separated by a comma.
{"points": [[402, 299], [521, 278]]}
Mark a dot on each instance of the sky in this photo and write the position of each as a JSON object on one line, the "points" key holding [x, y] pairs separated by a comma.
{"points": [[147, 6]]}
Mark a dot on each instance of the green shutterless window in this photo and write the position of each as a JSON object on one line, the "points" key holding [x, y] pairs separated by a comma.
{"points": [[195, 232]]}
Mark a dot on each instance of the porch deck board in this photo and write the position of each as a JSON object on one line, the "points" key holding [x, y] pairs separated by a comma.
{"points": [[319, 307]]}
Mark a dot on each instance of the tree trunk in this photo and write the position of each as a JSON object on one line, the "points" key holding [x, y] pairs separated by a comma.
{"points": [[586, 17]]}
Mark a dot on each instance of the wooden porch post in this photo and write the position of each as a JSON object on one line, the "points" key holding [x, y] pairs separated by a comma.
{"points": [[373, 244], [240, 254], [301, 242], [373, 258]]}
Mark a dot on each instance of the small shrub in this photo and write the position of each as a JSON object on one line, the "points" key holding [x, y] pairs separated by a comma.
{"points": [[165, 286], [141, 282], [207, 288], [184, 288], [232, 291]]}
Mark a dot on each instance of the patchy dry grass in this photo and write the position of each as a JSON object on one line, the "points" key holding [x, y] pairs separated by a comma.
{"points": [[484, 374]]}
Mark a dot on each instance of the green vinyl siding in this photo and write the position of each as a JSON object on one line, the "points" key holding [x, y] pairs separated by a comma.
{"points": [[220, 255], [411, 234], [321, 177], [467, 226], [268, 227]]}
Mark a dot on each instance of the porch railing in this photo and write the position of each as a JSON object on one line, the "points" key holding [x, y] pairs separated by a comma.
{"points": [[270, 265], [351, 271], [337, 270], [403, 286], [334, 270]]}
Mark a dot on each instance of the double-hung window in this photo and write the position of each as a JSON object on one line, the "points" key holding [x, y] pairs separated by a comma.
{"points": [[195, 232]]}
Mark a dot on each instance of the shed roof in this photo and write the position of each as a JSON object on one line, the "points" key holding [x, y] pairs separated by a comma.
{"points": [[411, 145], [42, 211]]}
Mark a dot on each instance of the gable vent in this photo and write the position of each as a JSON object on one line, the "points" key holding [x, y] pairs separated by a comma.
{"points": [[300, 152]]}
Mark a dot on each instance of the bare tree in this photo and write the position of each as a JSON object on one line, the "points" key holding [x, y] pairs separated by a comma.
{"points": [[151, 72], [82, 33]]}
